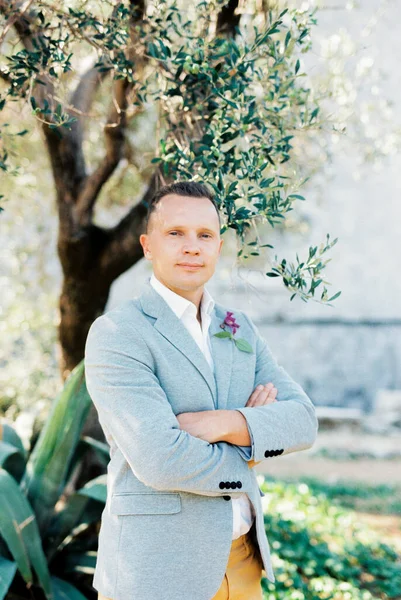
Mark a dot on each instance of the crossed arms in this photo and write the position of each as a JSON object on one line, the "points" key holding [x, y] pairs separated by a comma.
{"points": [[227, 425], [133, 407], [247, 429]]}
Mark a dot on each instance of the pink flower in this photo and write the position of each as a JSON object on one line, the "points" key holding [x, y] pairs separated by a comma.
{"points": [[230, 321]]}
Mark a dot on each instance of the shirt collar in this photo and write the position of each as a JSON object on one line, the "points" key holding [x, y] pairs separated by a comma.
{"points": [[178, 303]]}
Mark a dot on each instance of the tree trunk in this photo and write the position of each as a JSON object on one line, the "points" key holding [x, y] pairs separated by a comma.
{"points": [[90, 264]]}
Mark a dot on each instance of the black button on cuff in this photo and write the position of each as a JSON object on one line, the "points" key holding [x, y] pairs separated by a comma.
{"points": [[222, 485], [227, 497], [239, 484], [269, 453]]}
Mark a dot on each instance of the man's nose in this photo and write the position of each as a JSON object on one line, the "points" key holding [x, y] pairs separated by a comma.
{"points": [[191, 247]]}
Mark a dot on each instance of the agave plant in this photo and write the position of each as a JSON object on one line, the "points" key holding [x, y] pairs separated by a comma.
{"points": [[48, 538]]}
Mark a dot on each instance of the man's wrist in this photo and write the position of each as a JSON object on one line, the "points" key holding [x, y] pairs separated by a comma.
{"points": [[233, 427]]}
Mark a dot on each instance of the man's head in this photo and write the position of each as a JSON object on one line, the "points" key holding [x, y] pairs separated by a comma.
{"points": [[183, 226]]}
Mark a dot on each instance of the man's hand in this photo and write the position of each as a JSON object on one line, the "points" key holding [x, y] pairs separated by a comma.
{"points": [[204, 424], [262, 394], [216, 425]]}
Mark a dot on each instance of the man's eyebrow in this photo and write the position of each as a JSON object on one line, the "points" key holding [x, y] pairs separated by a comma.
{"points": [[201, 228]]}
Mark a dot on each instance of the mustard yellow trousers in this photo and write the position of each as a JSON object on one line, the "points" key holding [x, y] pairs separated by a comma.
{"points": [[242, 579], [243, 572]]}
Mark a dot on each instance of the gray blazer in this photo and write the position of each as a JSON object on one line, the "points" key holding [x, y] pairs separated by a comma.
{"points": [[166, 529]]}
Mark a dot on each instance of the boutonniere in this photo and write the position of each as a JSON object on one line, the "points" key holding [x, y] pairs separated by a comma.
{"points": [[229, 321]]}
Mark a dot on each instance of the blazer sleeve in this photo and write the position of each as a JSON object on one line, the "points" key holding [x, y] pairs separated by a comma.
{"points": [[285, 426], [247, 451], [121, 381]]}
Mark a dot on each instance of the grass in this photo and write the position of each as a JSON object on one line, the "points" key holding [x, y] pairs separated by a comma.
{"points": [[384, 498], [321, 550]]}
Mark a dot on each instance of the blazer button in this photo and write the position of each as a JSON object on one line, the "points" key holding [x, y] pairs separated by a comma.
{"points": [[233, 485], [227, 485], [268, 453], [227, 497], [222, 485], [239, 484], [281, 451]]}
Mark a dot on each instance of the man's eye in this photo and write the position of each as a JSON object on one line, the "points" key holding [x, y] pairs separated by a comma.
{"points": [[171, 232]]}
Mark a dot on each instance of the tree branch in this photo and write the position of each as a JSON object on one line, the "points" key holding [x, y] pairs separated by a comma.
{"points": [[76, 191], [227, 20], [65, 153], [115, 127], [123, 248], [5, 76], [114, 140], [5, 7], [82, 97]]}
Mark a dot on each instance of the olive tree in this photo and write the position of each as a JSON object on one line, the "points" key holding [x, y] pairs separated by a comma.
{"points": [[224, 84]]}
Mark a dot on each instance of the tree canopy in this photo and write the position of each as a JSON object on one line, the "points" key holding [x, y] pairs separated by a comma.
{"points": [[220, 84]]}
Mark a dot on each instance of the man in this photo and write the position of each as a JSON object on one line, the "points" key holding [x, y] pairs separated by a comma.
{"points": [[186, 421]]}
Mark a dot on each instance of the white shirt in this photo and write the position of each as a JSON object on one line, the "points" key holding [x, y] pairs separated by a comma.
{"points": [[243, 511]]}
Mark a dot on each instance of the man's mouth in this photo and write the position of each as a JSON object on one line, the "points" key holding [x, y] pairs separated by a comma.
{"points": [[190, 266]]}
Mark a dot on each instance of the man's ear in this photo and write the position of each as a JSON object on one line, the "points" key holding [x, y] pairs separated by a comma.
{"points": [[143, 240]]}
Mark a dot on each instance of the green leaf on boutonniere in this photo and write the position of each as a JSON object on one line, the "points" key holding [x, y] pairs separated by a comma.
{"points": [[243, 345], [223, 334]]}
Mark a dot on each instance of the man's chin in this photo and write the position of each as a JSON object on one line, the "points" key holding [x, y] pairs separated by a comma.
{"points": [[190, 282]]}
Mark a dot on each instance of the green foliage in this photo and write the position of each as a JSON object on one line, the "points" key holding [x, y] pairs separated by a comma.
{"points": [[241, 344], [294, 278], [320, 551], [49, 463], [232, 107], [383, 499], [40, 529]]}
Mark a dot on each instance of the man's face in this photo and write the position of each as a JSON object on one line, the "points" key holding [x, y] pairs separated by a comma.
{"points": [[183, 230]]}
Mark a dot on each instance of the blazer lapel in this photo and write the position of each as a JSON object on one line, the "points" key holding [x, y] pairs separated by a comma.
{"points": [[172, 328], [223, 358]]}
